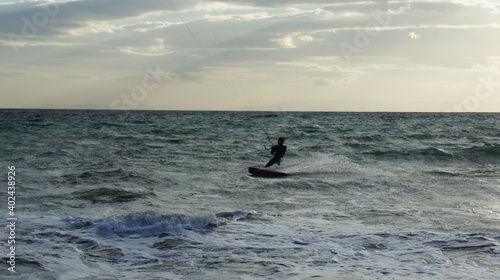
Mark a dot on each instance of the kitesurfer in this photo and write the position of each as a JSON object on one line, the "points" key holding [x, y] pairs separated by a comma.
{"points": [[278, 151]]}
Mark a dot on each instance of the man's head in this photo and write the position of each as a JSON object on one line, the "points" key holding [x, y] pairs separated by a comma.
{"points": [[281, 140]]}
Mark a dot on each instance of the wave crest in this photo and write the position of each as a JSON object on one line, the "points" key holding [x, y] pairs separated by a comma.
{"points": [[151, 224]]}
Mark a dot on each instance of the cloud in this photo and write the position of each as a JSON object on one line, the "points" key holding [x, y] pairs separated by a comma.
{"points": [[286, 42], [77, 76], [414, 35], [309, 66], [13, 73], [56, 18], [231, 42], [321, 83], [93, 28]]}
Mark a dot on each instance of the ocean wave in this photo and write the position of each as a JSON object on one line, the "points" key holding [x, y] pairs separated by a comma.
{"points": [[442, 173], [152, 224], [467, 242], [110, 195], [265, 116], [423, 152], [358, 139], [485, 151], [106, 176]]}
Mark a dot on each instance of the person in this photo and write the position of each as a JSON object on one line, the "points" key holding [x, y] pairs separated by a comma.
{"points": [[278, 151]]}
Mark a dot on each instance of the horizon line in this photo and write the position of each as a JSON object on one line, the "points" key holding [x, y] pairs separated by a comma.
{"points": [[255, 111]]}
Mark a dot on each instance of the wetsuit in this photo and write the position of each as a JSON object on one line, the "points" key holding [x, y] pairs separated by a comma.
{"points": [[279, 152]]}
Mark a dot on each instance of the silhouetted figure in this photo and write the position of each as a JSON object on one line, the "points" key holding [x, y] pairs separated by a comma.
{"points": [[278, 151]]}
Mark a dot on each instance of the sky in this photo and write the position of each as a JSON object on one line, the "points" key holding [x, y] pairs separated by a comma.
{"points": [[265, 55]]}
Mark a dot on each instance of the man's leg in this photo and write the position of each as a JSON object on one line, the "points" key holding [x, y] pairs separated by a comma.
{"points": [[271, 162]]}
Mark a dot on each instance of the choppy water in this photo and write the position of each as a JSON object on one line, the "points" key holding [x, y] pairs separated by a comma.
{"points": [[166, 195]]}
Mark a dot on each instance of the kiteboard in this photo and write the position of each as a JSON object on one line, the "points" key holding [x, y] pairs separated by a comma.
{"points": [[266, 172]]}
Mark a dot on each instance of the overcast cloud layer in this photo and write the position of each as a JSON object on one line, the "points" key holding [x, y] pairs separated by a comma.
{"points": [[251, 55]]}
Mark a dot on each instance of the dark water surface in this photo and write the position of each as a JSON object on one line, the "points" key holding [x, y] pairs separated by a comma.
{"points": [[166, 195]]}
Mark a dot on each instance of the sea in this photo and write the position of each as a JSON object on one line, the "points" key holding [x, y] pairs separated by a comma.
{"points": [[167, 195]]}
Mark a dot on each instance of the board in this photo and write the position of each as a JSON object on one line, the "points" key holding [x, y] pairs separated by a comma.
{"points": [[266, 172]]}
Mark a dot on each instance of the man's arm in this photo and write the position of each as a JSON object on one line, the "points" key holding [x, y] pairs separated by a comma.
{"points": [[274, 149]]}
